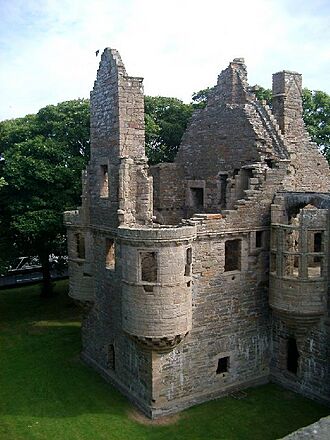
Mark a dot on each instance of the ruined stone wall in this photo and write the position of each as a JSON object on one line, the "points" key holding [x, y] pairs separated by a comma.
{"points": [[117, 171], [169, 193], [105, 345], [309, 169], [189, 326]]}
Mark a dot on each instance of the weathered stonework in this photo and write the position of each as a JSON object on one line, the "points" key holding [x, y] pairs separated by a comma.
{"points": [[209, 274]]}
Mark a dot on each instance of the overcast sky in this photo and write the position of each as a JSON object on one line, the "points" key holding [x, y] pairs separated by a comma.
{"points": [[47, 47]]}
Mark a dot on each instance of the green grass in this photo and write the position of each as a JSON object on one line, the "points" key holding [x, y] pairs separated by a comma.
{"points": [[47, 393]]}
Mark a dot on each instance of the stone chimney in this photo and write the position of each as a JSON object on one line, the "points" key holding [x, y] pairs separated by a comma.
{"points": [[287, 104]]}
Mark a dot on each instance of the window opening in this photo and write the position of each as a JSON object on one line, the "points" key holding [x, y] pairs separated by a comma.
{"points": [[104, 184], [110, 254], [273, 263], [318, 242], [246, 175], [314, 268], [80, 246], [232, 255], [269, 163], [259, 239], [223, 365], [292, 356], [223, 190], [197, 197], [291, 265], [148, 266], [111, 357], [187, 269]]}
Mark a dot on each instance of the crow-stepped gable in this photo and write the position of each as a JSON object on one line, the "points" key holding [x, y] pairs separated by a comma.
{"points": [[210, 274]]}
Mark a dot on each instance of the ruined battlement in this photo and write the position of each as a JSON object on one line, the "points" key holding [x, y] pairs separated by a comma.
{"points": [[209, 274]]}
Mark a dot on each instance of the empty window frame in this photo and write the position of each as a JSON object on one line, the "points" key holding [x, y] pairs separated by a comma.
{"points": [[292, 356], [233, 255], [109, 254], [314, 266], [318, 245], [197, 198], [273, 263], [223, 365], [223, 190], [104, 181], [148, 262], [291, 264], [259, 243], [111, 361], [80, 245], [187, 269]]}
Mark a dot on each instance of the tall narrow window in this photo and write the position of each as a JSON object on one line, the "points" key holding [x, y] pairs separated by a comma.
{"points": [[187, 269], [148, 266], [110, 254], [223, 190], [259, 239], [80, 245], [232, 255], [111, 357], [292, 356], [104, 182], [318, 242], [197, 198]]}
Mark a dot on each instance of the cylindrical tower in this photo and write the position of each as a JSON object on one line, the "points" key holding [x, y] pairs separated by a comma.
{"points": [[298, 268], [156, 284]]}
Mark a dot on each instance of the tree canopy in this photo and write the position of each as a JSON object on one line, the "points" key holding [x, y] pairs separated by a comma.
{"points": [[42, 158], [165, 121]]}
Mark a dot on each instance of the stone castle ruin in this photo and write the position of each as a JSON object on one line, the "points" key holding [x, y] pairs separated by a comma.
{"points": [[210, 274]]}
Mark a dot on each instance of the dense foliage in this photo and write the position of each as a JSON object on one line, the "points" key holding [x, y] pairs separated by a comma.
{"points": [[166, 120], [42, 158]]}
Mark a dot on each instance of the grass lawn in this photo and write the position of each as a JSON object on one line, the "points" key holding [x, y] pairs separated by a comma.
{"points": [[47, 393]]}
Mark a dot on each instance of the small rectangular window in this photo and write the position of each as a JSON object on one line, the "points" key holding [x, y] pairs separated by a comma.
{"points": [[259, 239], [148, 266], [187, 270], [318, 242], [314, 266], [197, 197], [292, 356], [80, 245], [232, 255], [104, 181], [273, 263], [110, 254], [111, 357], [223, 190], [223, 365]]}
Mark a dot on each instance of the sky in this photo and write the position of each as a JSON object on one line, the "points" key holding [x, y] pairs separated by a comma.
{"points": [[47, 47]]}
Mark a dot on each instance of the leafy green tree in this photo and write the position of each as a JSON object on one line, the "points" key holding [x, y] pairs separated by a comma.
{"points": [[199, 99], [166, 120], [42, 159], [316, 105]]}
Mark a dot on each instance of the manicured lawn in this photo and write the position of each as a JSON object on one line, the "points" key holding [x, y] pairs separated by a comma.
{"points": [[47, 393]]}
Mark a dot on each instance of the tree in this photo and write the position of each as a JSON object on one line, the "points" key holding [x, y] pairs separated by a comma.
{"points": [[199, 99], [42, 159], [316, 105], [166, 120]]}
